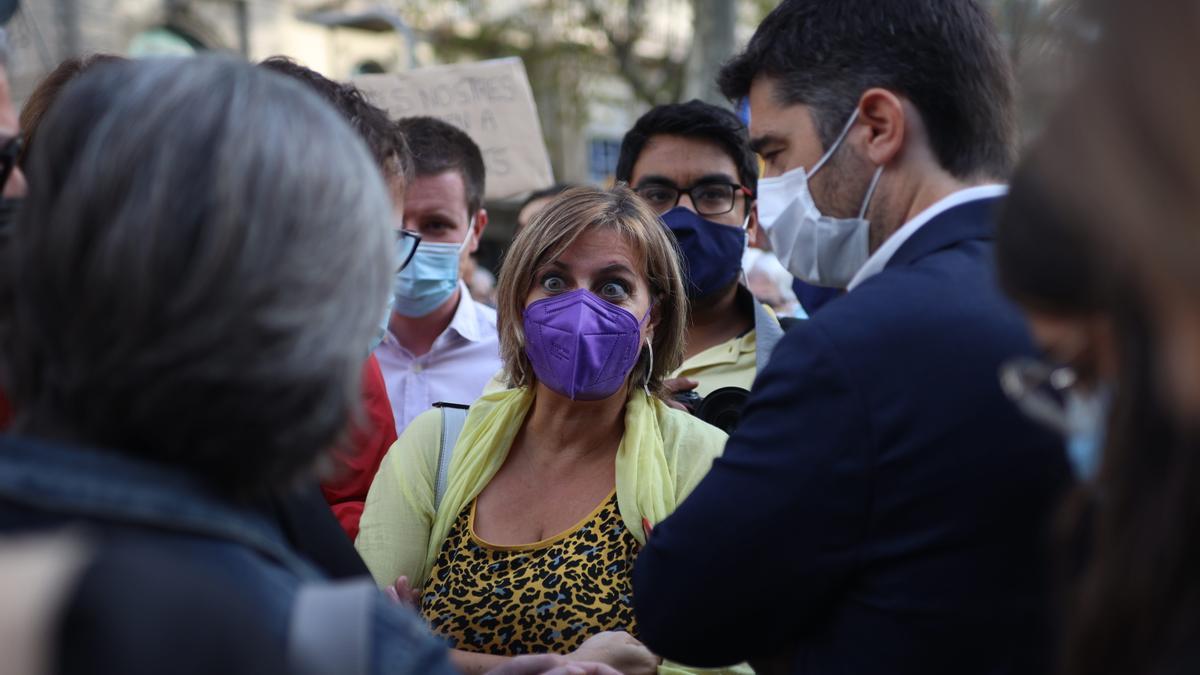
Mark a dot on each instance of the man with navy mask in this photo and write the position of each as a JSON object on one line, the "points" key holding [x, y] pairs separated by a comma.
{"points": [[882, 508], [441, 345], [692, 163]]}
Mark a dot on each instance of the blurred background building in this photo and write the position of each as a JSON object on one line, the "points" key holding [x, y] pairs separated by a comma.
{"points": [[594, 65]]}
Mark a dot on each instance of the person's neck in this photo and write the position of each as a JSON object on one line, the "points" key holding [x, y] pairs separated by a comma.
{"points": [[715, 320], [926, 192], [418, 333], [574, 430]]}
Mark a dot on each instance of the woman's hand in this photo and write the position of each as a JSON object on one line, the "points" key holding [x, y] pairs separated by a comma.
{"points": [[549, 664], [404, 594], [619, 650]]}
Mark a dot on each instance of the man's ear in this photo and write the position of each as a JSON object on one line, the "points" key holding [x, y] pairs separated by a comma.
{"points": [[753, 232], [481, 221], [884, 117]]}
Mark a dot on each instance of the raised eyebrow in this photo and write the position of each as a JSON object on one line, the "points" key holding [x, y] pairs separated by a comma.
{"points": [[616, 267]]}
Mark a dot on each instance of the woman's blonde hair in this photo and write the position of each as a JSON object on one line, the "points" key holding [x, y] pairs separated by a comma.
{"points": [[551, 232]]}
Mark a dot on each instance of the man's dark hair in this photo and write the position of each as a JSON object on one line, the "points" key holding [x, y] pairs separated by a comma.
{"points": [[438, 147], [386, 143], [694, 119], [943, 55]]}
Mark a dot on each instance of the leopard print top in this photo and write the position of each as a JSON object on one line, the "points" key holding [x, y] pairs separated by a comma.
{"points": [[545, 597]]}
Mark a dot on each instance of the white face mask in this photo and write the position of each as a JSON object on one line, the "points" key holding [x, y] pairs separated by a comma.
{"points": [[815, 248]]}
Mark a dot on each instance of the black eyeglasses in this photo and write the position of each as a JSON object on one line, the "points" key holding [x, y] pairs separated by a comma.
{"points": [[709, 199], [9, 152], [406, 247]]}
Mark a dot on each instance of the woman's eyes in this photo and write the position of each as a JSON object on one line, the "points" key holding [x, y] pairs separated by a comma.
{"points": [[614, 290], [553, 284]]}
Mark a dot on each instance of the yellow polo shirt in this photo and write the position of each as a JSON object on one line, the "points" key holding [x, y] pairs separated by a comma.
{"points": [[732, 363]]}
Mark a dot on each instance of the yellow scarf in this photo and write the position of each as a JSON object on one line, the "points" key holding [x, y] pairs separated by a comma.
{"points": [[646, 487], [646, 484]]}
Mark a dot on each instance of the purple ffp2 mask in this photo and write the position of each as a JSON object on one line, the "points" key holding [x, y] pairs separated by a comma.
{"points": [[581, 346]]}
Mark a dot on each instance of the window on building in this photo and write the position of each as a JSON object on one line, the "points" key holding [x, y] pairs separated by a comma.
{"points": [[602, 159]]}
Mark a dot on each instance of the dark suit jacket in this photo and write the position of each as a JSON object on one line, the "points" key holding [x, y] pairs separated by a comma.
{"points": [[882, 508]]}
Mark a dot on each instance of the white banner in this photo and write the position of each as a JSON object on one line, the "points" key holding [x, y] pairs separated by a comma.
{"points": [[491, 101]]}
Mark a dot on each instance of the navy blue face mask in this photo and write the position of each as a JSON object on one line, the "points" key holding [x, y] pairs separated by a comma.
{"points": [[712, 252]]}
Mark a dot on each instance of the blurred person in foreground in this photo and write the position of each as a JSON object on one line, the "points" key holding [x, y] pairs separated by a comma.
{"points": [[47, 91], [355, 462], [522, 539], [165, 382], [692, 163], [884, 505], [1121, 164], [441, 344], [12, 190]]}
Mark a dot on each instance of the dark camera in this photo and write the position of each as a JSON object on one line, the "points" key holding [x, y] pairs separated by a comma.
{"points": [[722, 408]]}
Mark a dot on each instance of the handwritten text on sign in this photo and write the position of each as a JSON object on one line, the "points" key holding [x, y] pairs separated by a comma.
{"points": [[491, 101]]}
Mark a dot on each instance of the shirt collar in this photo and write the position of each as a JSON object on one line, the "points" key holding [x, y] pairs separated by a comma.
{"points": [[879, 260], [466, 317]]}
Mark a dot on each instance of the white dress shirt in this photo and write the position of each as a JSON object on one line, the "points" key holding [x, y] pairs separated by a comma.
{"points": [[881, 257], [455, 370]]}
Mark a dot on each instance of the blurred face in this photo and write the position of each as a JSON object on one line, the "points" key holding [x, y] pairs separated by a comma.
{"points": [[436, 208], [601, 261], [15, 186], [1085, 343], [1179, 354], [673, 164], [531, 209]]}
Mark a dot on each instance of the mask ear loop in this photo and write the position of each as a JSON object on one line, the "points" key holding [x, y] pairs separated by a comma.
{"points": [[870, 193], [745, 281], [650, 369], [835, 145], [470, 234]]}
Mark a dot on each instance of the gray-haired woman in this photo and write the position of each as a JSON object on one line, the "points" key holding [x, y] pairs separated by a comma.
{"points": [[196, 276]]}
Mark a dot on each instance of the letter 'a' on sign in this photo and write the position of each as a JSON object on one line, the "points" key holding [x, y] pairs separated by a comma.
{"points": [[491, 101]]}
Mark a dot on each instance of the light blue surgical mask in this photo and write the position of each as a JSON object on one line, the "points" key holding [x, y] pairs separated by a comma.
{"points": [[1086, 427], [1053, 396], [430, 278]]}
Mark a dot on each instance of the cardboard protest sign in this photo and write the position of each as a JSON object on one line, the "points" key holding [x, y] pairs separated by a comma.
{"points": [[491, 101]]}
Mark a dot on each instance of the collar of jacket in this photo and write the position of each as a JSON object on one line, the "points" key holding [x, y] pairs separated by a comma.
{"points": [[973, 220]]}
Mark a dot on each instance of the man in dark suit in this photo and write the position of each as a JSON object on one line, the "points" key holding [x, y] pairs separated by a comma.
{"points": [[882, 508]]}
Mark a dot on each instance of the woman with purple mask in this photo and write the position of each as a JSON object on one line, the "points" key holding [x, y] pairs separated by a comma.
{"points": [[520, 536]]}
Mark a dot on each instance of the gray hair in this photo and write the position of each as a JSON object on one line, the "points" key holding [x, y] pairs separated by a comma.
{"points": [[200, 266]]}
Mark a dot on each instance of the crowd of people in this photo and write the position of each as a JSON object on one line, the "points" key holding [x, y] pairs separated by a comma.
{"points": [[254, 421]]}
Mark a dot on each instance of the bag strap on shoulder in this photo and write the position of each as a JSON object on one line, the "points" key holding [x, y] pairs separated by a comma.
{"points": [[454, 416]]}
